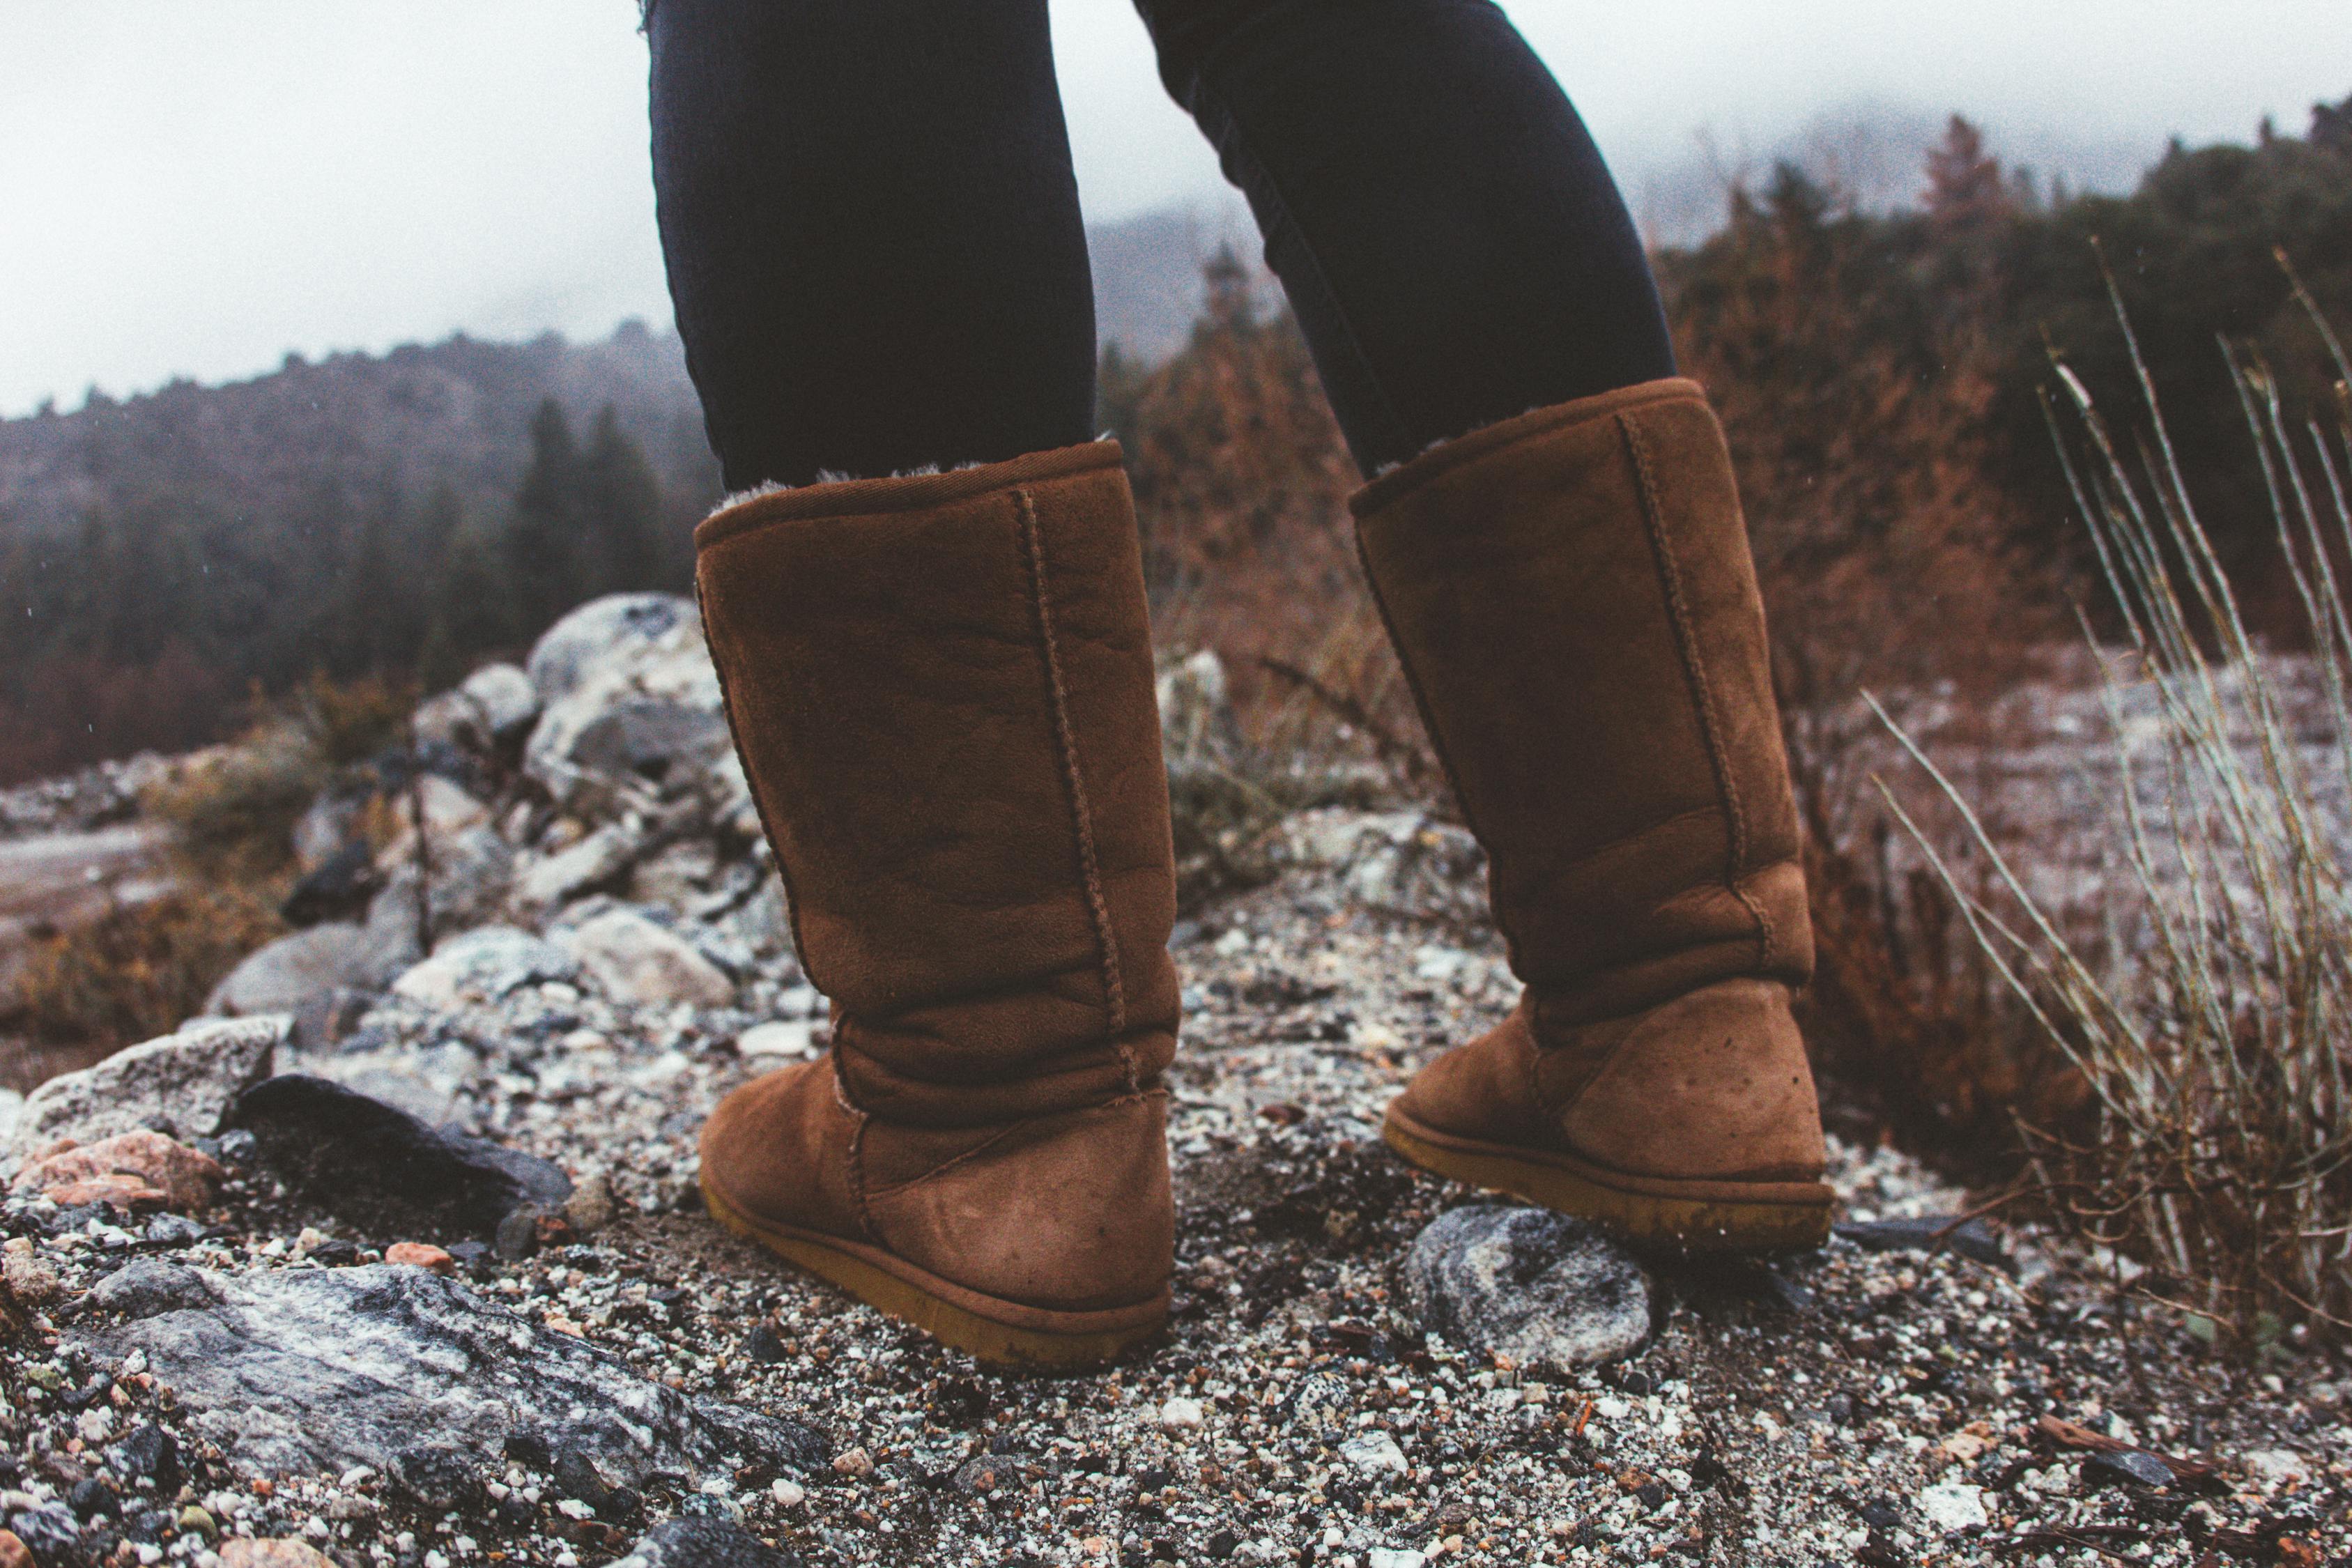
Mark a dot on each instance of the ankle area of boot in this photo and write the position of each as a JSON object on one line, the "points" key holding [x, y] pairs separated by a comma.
{"points": [[1712, 1084], [1071, 1211]]}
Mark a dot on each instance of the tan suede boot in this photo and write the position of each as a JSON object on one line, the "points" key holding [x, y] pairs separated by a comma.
{"points": [[941, 691], [1571, 595]]}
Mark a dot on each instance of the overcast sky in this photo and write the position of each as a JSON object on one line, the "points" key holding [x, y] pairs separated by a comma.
{"points": [[198, 188]]}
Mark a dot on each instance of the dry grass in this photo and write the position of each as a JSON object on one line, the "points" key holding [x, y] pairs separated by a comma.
{"points": [[139, 970], [2215, 1050]]}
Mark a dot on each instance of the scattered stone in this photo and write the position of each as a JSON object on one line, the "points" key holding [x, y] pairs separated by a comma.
{"points": [[1972, 1238], [420, 1254], [181, 1085], [2127, 1466], [1374, 1451], [378, 1165], [292, 1371], [791, 1039], [271, 1552], [30, 1279], [517, 1237], [592, 1206], [126, 1170], [704, 1543], [483, 966], [51, 1533], [633, 959], [150, 1286], [148, 1452], [1530, 1284], [853, 1462], [13, 1552], [435, 1477], [1953, 1507], [2276, 1466], [1180, 1411], [485, 711]]}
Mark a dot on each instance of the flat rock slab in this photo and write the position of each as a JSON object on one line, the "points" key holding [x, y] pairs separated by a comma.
{"points": [[293, 1371], [181, 1085], [383, 1169], [1535, 1286]]}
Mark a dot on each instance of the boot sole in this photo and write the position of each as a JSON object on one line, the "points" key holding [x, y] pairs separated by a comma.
{"points": [[1693, 1217], [1005, 1333]]}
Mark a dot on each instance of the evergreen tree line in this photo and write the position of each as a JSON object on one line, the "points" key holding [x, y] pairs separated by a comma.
{"points": [[162, 616]]}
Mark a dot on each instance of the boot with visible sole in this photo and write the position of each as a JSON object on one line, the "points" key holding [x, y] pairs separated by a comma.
{"points": [[941, 688], [1572, 599]]}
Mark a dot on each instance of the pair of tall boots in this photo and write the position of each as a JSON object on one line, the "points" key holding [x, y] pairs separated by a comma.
{"points": [[941, 691]]}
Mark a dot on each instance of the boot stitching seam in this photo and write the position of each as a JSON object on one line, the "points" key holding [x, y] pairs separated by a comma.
{"points": [[1082, 815], [1694, 671], [854, 1155]]}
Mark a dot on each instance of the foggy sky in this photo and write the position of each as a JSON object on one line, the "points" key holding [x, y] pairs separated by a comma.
{"points": [[198, 188]]}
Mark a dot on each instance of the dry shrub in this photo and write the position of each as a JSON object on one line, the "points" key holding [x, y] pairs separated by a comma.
{"points": [[1858, 423], [2221, 1149], [233, 807], [137, 971], [1241, 481]]}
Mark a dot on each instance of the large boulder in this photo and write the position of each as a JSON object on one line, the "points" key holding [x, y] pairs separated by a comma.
{"points": [[181, 1085], [308, 975], [299, 1370], [631, 701]]}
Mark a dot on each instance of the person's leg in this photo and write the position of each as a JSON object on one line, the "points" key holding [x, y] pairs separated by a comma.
{"points": [[1448, 235], [939, 684], [872, 232], [1554, 540]]}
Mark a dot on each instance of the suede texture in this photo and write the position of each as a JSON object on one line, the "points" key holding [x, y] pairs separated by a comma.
{"points": [[940, 687], [1572, 595]]}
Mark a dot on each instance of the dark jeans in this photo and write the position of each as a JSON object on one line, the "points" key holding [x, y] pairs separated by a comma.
{"points": [[876, 258]]}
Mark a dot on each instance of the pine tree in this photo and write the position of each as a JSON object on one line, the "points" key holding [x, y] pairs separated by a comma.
{"points": [[621, 512], [545, 558]]}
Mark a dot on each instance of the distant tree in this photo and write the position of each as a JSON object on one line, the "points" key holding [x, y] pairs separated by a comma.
{"points": [[547, 566], [621, 512]]}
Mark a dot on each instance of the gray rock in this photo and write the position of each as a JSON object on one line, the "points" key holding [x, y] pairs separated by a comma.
{"points": [[150, 1286], [182, 1084], [704, 1543], [293, 1371], [1535, 1286], [1972, 1238], [633, 959], [483, 966], [631, 699], [464, 882], [302, 973], [616, 626], [545, 881], [381, 1167]]}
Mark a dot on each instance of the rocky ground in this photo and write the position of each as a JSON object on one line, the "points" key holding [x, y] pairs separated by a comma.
{"points": [[406, 1266]]}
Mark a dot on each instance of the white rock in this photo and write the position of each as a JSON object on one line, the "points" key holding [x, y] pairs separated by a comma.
{"points": [[618, 625], [782, 1037], [506, 697], [630, 692], [788, 1494], [1180, 1411], [1393, 1557], [12, 1106], [632, 959], [2276, 1466], [180, 1085], [1953, 1507], [483, 966], [1374, 1451]]}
